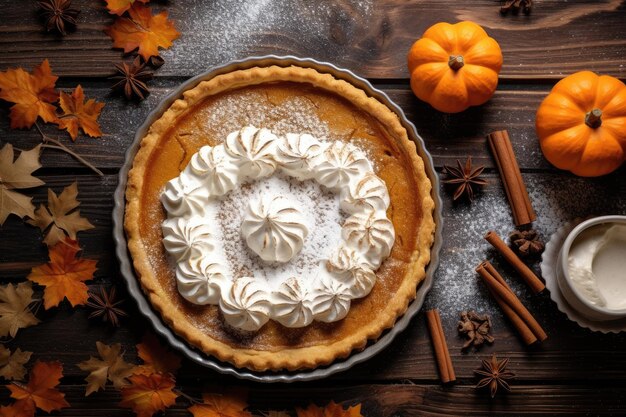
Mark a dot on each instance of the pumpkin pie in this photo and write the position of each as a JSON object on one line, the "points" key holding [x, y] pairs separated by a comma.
{"points": [[278, 218]]}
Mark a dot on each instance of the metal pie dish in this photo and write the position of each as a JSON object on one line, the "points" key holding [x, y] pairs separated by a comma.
{"points": [[134, 287]]}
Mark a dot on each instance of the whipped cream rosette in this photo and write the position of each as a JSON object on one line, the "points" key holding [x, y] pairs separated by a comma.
{"points": [[276, 228]]}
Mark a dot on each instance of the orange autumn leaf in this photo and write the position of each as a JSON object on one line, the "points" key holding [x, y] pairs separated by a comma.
{"points": [[21, 408], [41, 387], [331, 410], [33, 94], [156, 357], [118, 7], [64, 275], [79, 114], [231, 404], [148, 394], [142, 30]]}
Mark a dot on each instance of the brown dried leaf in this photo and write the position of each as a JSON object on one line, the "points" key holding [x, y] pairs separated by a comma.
{"points": [[112, 366], [15, 312], [59, 218], [12, 364], [17, 175]]}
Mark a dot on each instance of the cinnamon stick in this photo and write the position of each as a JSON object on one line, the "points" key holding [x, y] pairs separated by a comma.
{"points": [[526, 273], [516, 192], [524, 331], [523, 321], [442, 355]]}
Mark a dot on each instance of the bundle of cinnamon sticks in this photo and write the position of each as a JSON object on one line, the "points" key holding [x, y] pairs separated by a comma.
{"points": [[528, 328]]}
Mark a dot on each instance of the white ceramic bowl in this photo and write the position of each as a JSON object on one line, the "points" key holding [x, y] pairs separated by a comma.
{"points": [[575, 299]]}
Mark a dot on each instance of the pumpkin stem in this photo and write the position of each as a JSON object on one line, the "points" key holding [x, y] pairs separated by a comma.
{"points": [[593, 119], [456, 62]]}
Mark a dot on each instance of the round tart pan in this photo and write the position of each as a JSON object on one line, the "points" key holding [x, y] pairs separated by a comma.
{"points": [[201, 358]]}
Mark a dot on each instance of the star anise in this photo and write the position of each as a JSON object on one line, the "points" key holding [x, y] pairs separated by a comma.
{"points": [[516, 5], [527, 242], [494, 375], [58, 15], [465, 178], [476, 328], [106, 306], [131, 79]]}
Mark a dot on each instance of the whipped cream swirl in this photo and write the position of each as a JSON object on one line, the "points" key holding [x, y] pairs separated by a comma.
{"points": [[275, 229], [252, 151]]}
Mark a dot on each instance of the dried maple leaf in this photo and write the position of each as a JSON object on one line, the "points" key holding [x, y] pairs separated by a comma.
{"points": [[79, 114], [21, 408], [17, 175], [112, 366], [118, 7], [33, 94], [229, 404], [156, 357], [331, 410], [12, 364], [60, 217], [64, 275], [148, 394], [142, 31], [41, 387], [15, 308]]}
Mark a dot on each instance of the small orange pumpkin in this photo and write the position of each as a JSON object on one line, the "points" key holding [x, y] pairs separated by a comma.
{"points": [[455, 66], [581, 124]]}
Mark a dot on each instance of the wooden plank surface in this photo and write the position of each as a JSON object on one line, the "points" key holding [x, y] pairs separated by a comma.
{"points": [[456, 287], [370, 37], [389, 400], [448, 137], [575, 372]]}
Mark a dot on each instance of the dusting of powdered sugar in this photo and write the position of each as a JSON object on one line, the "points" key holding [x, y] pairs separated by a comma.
{"points": [[223, 30], [556, 198], [245, 108], [323, 218]]}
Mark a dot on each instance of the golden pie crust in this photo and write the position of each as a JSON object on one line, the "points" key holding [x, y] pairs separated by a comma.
{"points": [[350, 115]]}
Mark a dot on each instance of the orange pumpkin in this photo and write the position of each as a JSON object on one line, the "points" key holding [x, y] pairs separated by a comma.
{"points": [[581, 124], [455, 66]]}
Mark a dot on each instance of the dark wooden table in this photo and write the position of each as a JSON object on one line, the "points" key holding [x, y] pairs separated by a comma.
{"points": [[575, 371]]}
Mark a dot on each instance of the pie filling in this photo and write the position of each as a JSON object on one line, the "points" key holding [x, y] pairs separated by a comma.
{"points": [[284, 227], [278, 246]]}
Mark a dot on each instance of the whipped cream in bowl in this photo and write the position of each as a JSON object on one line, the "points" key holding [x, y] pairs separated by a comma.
{"points": [[592, 274]]}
